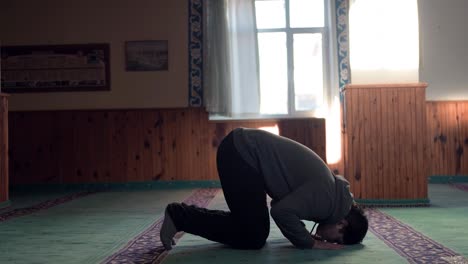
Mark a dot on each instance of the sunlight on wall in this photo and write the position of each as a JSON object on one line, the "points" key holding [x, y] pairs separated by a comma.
{"points": [[272, 129], [333, 133], [384, 41]]}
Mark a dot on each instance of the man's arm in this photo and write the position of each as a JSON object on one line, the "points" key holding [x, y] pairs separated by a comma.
{"points": [[291, 226], [299, 204]]}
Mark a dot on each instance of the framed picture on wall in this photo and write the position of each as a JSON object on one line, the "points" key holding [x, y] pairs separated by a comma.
{"points": [[55, 68], [147, 55]]}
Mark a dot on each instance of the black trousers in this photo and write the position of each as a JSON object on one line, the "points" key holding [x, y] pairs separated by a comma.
{"points": [[247, 223]]}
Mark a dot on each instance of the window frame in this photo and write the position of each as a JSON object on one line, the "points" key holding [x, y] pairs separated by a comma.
{"points": [[290, 32]]}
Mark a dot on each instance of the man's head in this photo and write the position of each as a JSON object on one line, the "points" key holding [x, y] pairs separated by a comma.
{"points": [[350, 230]]}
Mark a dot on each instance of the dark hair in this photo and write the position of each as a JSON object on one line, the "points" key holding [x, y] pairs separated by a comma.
{"points": [[357, 226]]}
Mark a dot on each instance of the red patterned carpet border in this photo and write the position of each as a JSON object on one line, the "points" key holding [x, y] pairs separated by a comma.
{"points": [[147, 247], [41, 206], [409, 243]]}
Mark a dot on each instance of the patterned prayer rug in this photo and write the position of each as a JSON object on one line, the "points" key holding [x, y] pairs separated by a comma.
{"points": [[147, 247], [409, 243], [41, 206], [459, 186]]}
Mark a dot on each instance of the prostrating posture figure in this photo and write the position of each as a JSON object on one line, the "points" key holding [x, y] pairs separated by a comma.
{"points": [[253, 163]]}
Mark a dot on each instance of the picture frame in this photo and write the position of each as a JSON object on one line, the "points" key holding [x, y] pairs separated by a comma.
{"points": [[55, 68], [147, 55]]}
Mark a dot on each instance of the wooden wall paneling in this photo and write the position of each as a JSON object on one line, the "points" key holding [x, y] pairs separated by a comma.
{"points": [[318, 136], [376, 112], [344, 137], [182, 148], [128, 145], [361, 157], [356, 159], [305, 131], [376, 138], [462, 110], [398, 155], [402, 110], [348, 138], [434, 132], [396, 185], [387, 124], [353, 130], [14, 155], [204, 162], [147, 155], [32, 154], [452, 134], [373, 139], [410, 147], [421, 141], [403, 141], [169, 145], [4, 136], [367, 160], [119, 147], [447, 137], [97, 148], [65, 145], [134, 131], [413, 150], [53, 150], [430, 135], [152, 123], [382, 141], [217, 132], [186, 146], [443, 137], [458, 138], [47, 154], [100, 147], [18, 155], [421, 132], [211, 150], [84, 147]]}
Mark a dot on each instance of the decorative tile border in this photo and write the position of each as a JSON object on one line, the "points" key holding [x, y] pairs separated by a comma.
{"points": [[342, 23], [147, 247], [409, 243], [41, 206], [195, 51]]}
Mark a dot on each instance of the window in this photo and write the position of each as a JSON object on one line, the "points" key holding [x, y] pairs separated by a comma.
{"points": [[292, 55]]}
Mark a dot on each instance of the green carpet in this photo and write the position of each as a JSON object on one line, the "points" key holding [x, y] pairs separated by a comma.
{"points": [[444, 221], [93, 227], [192, 249], [85, 230]]}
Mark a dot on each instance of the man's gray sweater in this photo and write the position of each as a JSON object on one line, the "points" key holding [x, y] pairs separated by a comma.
{"points": [[301, 185]]}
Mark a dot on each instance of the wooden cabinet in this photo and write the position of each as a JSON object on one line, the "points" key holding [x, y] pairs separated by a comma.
{"points": [[385, 141], [3, 149]]}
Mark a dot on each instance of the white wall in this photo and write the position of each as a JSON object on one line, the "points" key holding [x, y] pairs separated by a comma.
{"points": [[33, 22], [444, 48]]}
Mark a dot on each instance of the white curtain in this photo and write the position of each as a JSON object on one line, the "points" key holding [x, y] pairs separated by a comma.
{"points": [[231, 82]]}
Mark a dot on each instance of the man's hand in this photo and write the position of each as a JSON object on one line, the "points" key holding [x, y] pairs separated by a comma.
{"points": [[325, 245]]}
